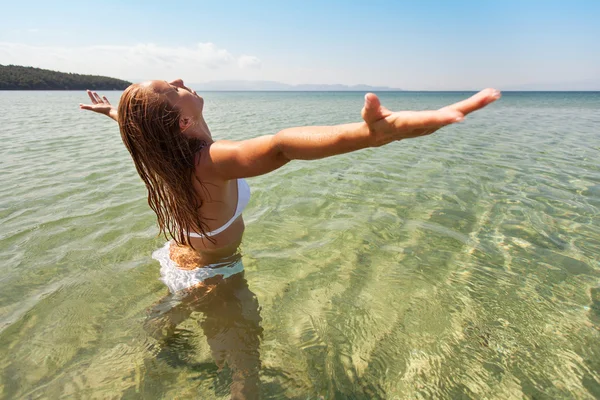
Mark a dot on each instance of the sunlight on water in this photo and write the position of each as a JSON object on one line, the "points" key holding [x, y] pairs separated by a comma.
{"points": [[462, 265]]}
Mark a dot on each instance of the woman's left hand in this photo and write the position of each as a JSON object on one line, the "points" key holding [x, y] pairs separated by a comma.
{"points": [[386, 126], [100, 105]]}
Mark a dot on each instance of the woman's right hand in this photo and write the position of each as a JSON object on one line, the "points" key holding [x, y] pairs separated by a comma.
{"points": [[100, 105], [386, 126]]}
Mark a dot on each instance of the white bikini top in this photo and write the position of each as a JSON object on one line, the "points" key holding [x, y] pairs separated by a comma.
{"points": [[243, 199]]}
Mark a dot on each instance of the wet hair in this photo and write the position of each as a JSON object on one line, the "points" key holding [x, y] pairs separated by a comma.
{"points": [[165, 160]]}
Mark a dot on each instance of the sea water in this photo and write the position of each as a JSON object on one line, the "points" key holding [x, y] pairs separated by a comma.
{"points": [[460, 265]]}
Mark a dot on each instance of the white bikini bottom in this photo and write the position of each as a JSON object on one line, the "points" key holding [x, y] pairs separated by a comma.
{"points": [[178, 279]]}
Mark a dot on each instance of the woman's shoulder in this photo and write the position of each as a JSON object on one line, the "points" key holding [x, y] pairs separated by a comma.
{"points": [[210, 156], [206, 169]]}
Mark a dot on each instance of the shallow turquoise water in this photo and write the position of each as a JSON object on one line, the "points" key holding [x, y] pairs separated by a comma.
{"points": [[461, 265]]}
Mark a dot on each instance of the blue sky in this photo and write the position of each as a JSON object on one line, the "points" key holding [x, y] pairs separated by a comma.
{"points": [[430, 45]]}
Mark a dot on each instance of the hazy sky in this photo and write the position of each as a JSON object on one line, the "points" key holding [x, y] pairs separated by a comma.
{"points": [[431, 45]]}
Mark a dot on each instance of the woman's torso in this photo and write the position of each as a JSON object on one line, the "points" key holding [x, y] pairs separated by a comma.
{"points": [[219, 203]]}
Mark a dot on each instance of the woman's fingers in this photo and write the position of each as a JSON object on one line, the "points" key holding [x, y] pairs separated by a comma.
{"points": [[410, 124], [427, 122], [475, 102], [429, 119], [96, 99], [92, 97]]}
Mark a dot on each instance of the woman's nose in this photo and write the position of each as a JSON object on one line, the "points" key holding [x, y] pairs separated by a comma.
{"points": [[177, 82]]}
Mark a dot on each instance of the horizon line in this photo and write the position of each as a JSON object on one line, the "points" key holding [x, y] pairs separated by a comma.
{"points": [[330, 91]]}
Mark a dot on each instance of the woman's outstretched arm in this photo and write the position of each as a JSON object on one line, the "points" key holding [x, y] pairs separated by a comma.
{"points": [[230, 160]]}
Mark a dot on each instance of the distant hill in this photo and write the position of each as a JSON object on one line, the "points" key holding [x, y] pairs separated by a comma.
{"points": [[14, 77], [279, 86]]}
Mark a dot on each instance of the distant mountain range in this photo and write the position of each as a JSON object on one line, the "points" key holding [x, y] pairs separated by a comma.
{"points": [[279, 86]]}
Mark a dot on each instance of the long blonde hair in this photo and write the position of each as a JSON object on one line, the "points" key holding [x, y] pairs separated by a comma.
{"points": [[165, 160]]}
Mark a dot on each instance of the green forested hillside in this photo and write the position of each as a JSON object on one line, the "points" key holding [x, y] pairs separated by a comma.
{"points": [[14, 77]]}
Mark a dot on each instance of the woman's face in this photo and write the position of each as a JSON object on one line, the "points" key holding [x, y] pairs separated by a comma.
{"points": [[187, 101], [180, 96]]}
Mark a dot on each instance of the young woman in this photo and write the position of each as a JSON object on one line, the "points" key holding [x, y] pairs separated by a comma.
{"points": [[197, 189], [196, 184]]}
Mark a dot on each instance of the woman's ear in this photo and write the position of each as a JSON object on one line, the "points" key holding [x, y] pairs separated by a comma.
{"points": [[185, 123]]}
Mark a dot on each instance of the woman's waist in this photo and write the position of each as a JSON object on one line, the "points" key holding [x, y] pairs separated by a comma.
{"points": [[200, 256], [177, 278]]}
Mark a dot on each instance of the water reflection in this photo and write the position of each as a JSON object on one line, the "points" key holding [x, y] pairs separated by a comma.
{"points": [[230, 321]]}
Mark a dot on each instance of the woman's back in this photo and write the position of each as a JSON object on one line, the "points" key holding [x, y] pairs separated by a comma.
{"points": [[222, 202]]}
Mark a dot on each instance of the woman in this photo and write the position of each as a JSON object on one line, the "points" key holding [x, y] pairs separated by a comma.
{"points": [[197, 189], [196, 185]]}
